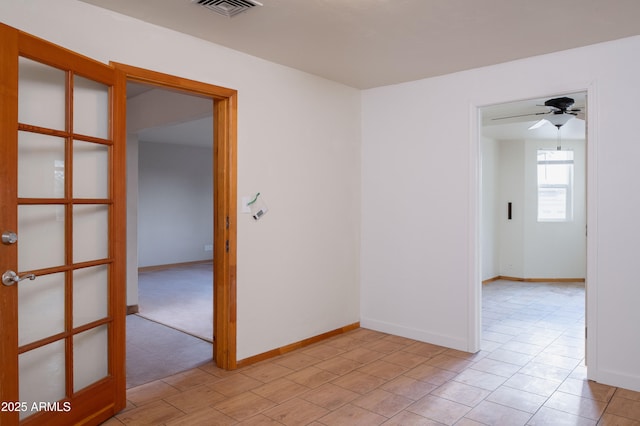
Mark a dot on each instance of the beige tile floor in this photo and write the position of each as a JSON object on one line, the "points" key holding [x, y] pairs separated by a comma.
{"points": [[530, 371]]}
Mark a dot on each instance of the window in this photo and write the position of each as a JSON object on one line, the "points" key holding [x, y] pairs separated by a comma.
{"points": [[555, 186]]}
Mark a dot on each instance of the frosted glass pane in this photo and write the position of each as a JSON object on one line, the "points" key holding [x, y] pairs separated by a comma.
{"points": [[41, 235], [90, 232], [90, 357], [40, 308], [89, 294], [90, 170], [40, 166], [42, 375], [41, 95], [90, 108]]}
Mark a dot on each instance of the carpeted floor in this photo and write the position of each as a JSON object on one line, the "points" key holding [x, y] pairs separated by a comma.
{"points": [[174, 329], [180, 298], [155, 351]]}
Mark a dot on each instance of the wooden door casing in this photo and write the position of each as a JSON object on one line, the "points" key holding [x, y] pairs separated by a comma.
{"points": [[224, 198]]}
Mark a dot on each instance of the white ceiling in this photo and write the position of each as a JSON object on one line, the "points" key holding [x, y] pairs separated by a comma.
{"points": [[184, 119], [193, 133], [371, 43], [368, 43]]}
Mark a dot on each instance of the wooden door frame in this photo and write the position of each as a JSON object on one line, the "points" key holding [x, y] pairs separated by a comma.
{"points": [[224, 194]]}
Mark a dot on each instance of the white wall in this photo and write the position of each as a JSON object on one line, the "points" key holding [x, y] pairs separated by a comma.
{"points": [[175, 203], [525, 247], [298, 144], [511, 189], [132, 219], [554, 249], [420, 235], [491, 212]]}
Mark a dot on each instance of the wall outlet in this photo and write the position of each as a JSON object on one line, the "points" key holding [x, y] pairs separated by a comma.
{"points": [[208, 247]]}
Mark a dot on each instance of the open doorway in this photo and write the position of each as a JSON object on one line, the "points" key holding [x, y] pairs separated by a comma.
{"points": [[170, 204], [533, 235], [224, 159]]}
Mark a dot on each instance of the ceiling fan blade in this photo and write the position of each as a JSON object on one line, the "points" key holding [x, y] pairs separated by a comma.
{"points": [[538, 124], [520, 115], [580, 115]]}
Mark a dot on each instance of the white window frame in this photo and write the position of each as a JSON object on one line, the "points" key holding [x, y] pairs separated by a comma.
{"points": [[566, 186]]}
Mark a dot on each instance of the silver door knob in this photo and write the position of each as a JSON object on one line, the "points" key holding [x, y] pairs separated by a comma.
{"points": [[11, 278], [9, 237]]}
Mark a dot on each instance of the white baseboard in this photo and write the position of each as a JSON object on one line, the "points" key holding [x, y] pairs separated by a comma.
{"points": [[414, 333], [616, 379]]}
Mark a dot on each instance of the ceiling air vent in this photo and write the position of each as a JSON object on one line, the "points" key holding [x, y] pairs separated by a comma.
{"points": [[228, 8]]}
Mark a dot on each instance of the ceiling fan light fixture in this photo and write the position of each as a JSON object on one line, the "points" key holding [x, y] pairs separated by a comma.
{"points": [[559, 120]]}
